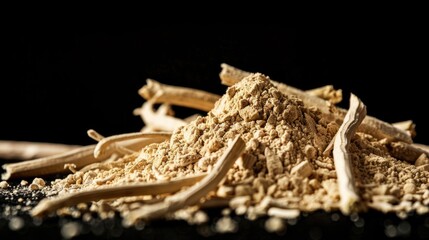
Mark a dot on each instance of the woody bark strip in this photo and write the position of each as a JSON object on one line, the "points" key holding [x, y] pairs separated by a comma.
{"points": [[370, 125], [192, 195], [181, 96], [71, 199], [342, 159]]}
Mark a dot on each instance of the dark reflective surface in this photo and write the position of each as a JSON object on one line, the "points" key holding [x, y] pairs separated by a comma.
{"points": [[317, 225]]}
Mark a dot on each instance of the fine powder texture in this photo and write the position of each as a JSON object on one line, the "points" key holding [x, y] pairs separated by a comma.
{"points": [[283, 168]]}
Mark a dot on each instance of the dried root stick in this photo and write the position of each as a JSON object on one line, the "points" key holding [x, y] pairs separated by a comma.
{"points": [[370, 125], [342, 161], [52, 164], [21, 150], [192, 195], [181, 96], [50, 205]]}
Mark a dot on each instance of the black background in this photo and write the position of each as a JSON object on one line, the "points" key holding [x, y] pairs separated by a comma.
{"points": [[56, 85]]}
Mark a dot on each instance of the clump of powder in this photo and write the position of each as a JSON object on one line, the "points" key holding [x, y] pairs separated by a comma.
{"points": [[282, 168]]}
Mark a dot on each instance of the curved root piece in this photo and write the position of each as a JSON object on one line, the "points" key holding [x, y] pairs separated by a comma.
{"points": [[181, 96], [342, 161], [50, 205], [192, 195], [158, 121], [53, 164], [370, 125], [98, 137], [110, 142]]}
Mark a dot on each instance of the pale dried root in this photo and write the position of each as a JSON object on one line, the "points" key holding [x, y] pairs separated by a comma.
{"points": [[22, 150], [98, 137], [49, 205], [181, 96], [342, 159], [370, 125], [192, 195], [52, 164], [108, 143]]}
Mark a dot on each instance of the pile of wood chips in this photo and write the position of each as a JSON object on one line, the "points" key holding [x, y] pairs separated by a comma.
{"points": [[263, 149]]}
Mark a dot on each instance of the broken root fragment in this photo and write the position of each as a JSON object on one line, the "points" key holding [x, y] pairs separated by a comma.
{"points": [[342, 161]]}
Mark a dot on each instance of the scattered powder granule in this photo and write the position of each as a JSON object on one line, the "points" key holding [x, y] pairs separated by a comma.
{"points": [[33, 187], [16, 223], [284, 169], [275, 225], [39, 182], [226, 225], [4, 185]]}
